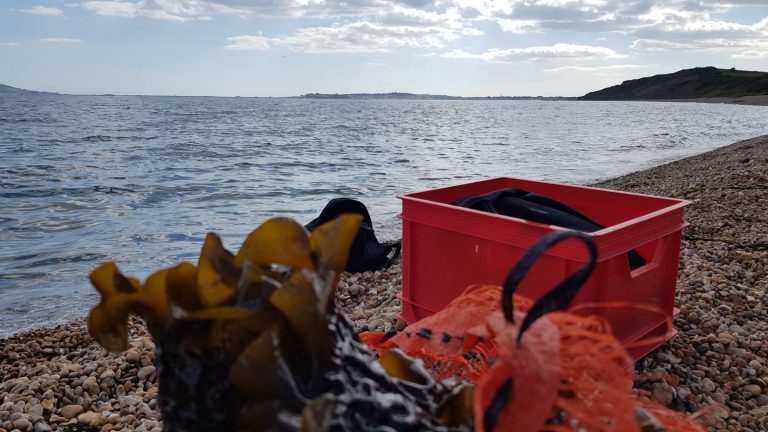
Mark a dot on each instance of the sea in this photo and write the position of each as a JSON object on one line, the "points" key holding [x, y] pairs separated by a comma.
{"points": [[140, 180]]}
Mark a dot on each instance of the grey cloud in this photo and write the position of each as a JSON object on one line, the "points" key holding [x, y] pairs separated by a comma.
{"points": [[416, 3], [636, 7], [620, 23], [690, 36], [530, 11], [469, 12]]}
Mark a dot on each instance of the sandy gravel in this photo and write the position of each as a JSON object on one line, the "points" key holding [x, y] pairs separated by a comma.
{"points": [[720, 357]]}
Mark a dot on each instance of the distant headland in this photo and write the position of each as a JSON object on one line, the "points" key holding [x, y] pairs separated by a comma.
{"points": [[4, 89], [696, 83], [399, 95]]}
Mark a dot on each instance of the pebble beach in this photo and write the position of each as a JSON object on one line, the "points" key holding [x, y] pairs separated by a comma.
{"points": [[55, 378]]}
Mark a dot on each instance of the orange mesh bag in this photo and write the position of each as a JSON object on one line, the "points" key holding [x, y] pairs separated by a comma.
{"points": [[534, 369]]}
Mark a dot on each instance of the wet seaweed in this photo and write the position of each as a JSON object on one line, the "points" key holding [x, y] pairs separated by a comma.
{"points": [[254, 341]]}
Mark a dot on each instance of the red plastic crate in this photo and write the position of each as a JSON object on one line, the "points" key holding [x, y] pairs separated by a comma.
{"points": [[447, 248]]}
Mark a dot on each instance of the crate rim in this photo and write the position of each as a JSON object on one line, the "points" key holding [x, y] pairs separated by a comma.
{"points": [[675, 204]]}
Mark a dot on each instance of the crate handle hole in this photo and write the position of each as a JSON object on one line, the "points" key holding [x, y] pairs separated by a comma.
{"points": [[653, 254]]}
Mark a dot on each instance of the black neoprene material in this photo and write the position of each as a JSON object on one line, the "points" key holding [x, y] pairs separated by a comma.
{"points": [[521, 204], [366, 253]]}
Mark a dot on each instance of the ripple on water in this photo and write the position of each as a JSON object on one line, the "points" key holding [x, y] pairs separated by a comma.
{"points": [[140, 180]]}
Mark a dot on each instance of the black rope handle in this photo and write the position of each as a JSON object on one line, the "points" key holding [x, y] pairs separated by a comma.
{"points": [[558, 297]]}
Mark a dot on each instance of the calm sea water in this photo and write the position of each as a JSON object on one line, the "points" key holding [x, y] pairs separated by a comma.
{"points": [[140, 180]]}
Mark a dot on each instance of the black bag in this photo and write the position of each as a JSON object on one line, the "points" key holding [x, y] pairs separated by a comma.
{"points": [[521, 204], [366, 253]]}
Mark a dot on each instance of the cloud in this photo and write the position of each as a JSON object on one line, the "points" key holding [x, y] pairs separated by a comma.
{"points": [[365, 37], [399, 27], [186, 10], [752, 54], [518, 26], [253, 43], [596, 69], [656, 24], [8, 44], [168, 11], [737, 48], [60, 40], [42, 10], [595, 16], [557, 52], [357, 37]]}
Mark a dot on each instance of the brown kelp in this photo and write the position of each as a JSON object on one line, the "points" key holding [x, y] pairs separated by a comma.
{"points": [[254, 341]]}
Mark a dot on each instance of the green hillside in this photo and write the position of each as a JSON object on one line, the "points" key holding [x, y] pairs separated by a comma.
{"points": [[701, 82], [5, 89]]}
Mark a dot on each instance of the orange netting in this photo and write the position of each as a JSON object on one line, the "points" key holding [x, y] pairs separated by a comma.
{"points": [[568, 373]]}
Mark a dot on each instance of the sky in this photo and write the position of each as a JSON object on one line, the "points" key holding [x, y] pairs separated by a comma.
{"points": [[293, 47]]}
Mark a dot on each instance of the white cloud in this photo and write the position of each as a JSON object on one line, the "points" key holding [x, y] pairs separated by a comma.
{"points": [[356, 37], [9, 44], [518, 26], [557, 52], [399, 27], [751, 54], [365, 36], [653, 24], [186, 10], [661, 45], [42, 10], [596, 69], [60, 40], [253, 43], [744, 49], [161, 10]]}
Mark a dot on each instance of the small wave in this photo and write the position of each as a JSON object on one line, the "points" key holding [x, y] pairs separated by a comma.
{"points": [[294, 192], [86, 191], [162, 238], [113, 190], [97, 138], [44, 120], [9, 276], [223, 196], [86, 257]]}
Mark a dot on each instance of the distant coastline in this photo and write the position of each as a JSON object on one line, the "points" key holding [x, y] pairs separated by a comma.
{"points": [[698, 85], [413, 96]]}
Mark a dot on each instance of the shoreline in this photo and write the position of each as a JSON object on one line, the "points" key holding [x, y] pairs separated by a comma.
{"points": [[55, 376], [761, 100]]}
